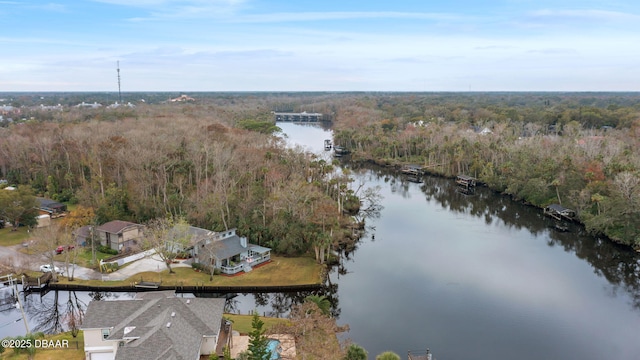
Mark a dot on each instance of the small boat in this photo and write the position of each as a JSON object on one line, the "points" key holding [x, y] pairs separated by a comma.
{"points": [[339, 150]]}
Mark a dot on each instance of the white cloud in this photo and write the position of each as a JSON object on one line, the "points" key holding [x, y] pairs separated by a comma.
{"points": [[342, 15], [591, 15]]}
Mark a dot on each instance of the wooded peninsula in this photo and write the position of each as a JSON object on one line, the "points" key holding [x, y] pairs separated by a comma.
{"points": [[219, 161]]}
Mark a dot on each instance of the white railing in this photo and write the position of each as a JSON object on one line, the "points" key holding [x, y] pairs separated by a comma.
{"points": [[230, 270]]}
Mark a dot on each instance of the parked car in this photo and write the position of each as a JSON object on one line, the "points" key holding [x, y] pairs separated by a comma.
{"points": [[62, 248], [47, 268]]}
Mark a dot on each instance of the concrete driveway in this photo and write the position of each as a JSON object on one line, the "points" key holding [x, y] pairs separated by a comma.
{"points": [[149, 263]]}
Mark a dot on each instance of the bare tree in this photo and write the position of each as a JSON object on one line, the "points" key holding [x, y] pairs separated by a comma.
{"points": [[168, 237], [46, 240]]}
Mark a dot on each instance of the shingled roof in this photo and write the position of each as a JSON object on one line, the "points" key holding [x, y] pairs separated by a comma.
{"points": [[157, 327], [116, 226]]}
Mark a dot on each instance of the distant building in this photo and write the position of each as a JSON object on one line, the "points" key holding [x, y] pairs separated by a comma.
{"points": [[182, 98], [117, 105], [84, 105], [51, 207]]}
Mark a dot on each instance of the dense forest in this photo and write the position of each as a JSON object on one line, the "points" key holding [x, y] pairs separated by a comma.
{"points": [[216, 166], [578, 150], [216, 161]]}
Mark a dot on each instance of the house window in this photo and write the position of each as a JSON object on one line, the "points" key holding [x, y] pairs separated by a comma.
{"points": [[105, 333]]}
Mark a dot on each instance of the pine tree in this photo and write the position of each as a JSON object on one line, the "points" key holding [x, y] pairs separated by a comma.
{"points": [[258, 342]]}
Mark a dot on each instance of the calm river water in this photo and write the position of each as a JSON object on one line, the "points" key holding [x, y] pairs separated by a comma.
{"points": [[481, 277], [471, 277]]}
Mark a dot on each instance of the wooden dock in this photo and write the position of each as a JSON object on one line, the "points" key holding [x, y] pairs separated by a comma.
{"points": [[559, 212], [466, 181], [420, 355], [36, 284], [412, 169]]}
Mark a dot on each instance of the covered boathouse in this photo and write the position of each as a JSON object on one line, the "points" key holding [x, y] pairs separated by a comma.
{"points": [[559, 212]]}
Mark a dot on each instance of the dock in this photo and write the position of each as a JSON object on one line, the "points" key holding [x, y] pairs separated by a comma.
{"points": [[36, 284], [147, 285], [412, 169], [559, 212], [420, 355], [466, 181], [466, 184]]}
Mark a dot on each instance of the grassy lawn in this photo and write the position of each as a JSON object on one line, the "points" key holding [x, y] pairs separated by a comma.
{"points": [[75, 351], [242, 323], [280, 271], [10, 238], [85, 258]]}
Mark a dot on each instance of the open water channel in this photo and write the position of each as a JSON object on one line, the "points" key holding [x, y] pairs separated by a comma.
{"points": [[467, 276]]}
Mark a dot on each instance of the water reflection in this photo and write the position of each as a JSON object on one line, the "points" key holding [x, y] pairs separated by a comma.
{"points": [[279, 304], [619, 265]]}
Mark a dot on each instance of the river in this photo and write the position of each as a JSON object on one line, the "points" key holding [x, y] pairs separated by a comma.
{"points": [[470, 277], [482, 277]]}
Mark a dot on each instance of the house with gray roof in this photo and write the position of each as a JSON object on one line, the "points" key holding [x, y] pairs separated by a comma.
{"points": [[154, 325], [228, 252], [51, 207]]}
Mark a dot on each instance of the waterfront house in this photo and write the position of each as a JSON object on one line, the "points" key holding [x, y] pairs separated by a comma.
{"points": [[229, 252], [154, 325], [120, 235], [175, 242]]}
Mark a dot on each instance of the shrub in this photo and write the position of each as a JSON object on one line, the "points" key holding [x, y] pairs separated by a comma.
{"points": [[388, 355], [110, 267], [356, 352], [204, 268], [107, 250]]}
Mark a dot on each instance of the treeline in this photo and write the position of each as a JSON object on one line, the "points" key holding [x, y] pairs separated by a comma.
{"points": [[183, 160], [569, 150], [212, 162]]}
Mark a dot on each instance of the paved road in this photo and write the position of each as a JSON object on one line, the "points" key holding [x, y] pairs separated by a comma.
{"points": [[17, 260]]}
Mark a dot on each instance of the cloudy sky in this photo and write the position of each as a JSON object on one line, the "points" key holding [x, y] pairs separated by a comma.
{"points": [[301, 45]]}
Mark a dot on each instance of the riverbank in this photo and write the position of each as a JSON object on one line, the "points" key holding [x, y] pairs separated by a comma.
{"points": [[279, 272], [396, 166]]}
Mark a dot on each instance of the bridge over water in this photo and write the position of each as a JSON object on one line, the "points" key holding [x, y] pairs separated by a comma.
{"points": [[298, 117]]}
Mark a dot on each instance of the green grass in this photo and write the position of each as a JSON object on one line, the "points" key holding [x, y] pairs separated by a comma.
{"points": [[10, 238], [242, 323], [85, 258], [281, 271]]}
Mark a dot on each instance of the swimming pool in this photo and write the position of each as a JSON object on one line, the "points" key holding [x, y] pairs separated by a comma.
{"points": [[274, 346]]}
